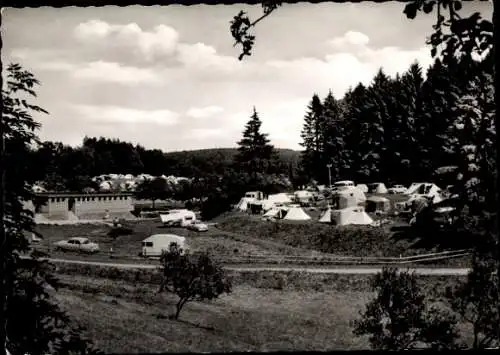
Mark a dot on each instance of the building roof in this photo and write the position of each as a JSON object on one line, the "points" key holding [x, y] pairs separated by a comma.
{"points": [[80, 194]]}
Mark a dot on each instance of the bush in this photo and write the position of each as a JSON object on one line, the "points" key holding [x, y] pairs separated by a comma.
{"points": [[115, 232], [192, 277]]}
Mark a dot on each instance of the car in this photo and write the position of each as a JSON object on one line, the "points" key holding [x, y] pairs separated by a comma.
{"points": [[397, 189], [198, 226], [79, 244]]}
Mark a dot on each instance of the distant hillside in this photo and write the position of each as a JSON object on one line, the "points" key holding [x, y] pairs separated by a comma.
{"points": [[194, 162]]}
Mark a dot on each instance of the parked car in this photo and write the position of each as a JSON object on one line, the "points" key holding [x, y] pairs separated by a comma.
{"points": [[83, 245], [198, 226], [397, 189]]}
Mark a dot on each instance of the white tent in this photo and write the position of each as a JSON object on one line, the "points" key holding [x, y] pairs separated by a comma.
{"points": [[296, 214], [105, 186], [275, 213], [326, 217], [378, 203], [349, 197], [275, 200], [378, 188], [352, 215], [303, 195], [243, 204], [428, 190], [362, 187]]}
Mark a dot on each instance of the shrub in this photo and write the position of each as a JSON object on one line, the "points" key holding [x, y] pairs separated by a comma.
{"points": [[192, 277]]}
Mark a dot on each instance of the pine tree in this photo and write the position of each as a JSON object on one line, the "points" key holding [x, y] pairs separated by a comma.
{"points": [[373, 114], [312, 140], [333, 136], [255, 153], [404, 151], [355, 130]]}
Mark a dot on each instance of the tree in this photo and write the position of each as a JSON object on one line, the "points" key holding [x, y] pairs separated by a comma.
{"points": [[398, 319], [254, 151], [192, 277], [475, 301], [23, 291], [312, 140], [156, 189], [334, 132]]}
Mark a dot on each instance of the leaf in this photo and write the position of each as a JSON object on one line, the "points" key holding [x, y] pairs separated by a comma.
{"points": [[411, 10]]}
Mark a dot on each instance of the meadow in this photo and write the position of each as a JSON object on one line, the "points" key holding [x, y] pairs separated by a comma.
{"points": [[266, 311]]}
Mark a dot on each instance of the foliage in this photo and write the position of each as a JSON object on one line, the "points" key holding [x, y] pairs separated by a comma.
{"points": [[398, 318], [156, 189], [475, 301], [255, 153], [192, 278], [31, 323]]}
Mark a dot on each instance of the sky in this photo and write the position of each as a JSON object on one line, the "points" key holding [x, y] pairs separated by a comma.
{"points": [[169, 77]]}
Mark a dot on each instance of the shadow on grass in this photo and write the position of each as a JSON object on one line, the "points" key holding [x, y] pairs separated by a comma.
{"points": [[432, 238], [183, 321]]}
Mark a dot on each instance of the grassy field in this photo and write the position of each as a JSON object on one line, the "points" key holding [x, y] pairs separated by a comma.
{"points": [[342, 240], [123, 317]]}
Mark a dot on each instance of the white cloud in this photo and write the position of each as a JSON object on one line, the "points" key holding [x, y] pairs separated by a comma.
{"points": [[204, 112], [120, 115], [150, 45], [204, 133], [114, 72], [204, 57], [350, 38], [345, 67]]}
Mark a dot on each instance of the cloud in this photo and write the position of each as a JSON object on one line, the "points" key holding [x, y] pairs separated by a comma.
{"points": [[348, 39], [120, 115], [114, 72], [342, 67], [204, 112], [153, 45]]}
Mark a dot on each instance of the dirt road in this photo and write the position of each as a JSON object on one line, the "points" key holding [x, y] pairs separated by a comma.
{"points": [[320, 270]]}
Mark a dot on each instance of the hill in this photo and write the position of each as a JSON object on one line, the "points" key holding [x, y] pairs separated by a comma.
{"points": [[195, 162]]}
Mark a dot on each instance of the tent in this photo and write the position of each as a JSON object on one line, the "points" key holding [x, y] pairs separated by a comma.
{"points": [[377, 188], [296, 214], [351, 215], [428, 190], [349, 197], [275, 213], [303, 196], [326, 217], [243, 204], [362, 187], [377, 203], [105, 186], [182, 217], [275, 200]]}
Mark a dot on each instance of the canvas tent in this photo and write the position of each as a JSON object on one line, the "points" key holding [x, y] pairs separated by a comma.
{"points": [[243, 204], [431, 191], [274, 200], [275, 213], [349, 197], [377, 203], [303, 196], [377, 188], [362, 187], [326, 217], [296, 214], [352, 215]]}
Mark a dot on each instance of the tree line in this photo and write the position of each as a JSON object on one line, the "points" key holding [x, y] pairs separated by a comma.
{"points": [[395, 130]]}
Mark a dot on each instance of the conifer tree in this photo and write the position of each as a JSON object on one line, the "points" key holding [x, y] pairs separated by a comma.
{"points": [[255, 153], [312, 140]]}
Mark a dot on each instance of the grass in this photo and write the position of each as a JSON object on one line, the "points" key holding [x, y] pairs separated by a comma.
{"points": [[130, 317], [130, 244], [342, 240]]}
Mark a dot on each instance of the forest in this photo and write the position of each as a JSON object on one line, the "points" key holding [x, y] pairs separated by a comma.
{"points": [[396, 130]]}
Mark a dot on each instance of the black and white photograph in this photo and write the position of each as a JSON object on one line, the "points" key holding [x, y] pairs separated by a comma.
{"points": [[249, 177]]}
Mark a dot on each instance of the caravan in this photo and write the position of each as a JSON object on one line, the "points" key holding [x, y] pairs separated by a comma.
{"points": [[157, 243], [180, 218]]}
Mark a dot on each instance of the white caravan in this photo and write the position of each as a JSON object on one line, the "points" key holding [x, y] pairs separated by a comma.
{"points": [[182, 218], [154, 245]]}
